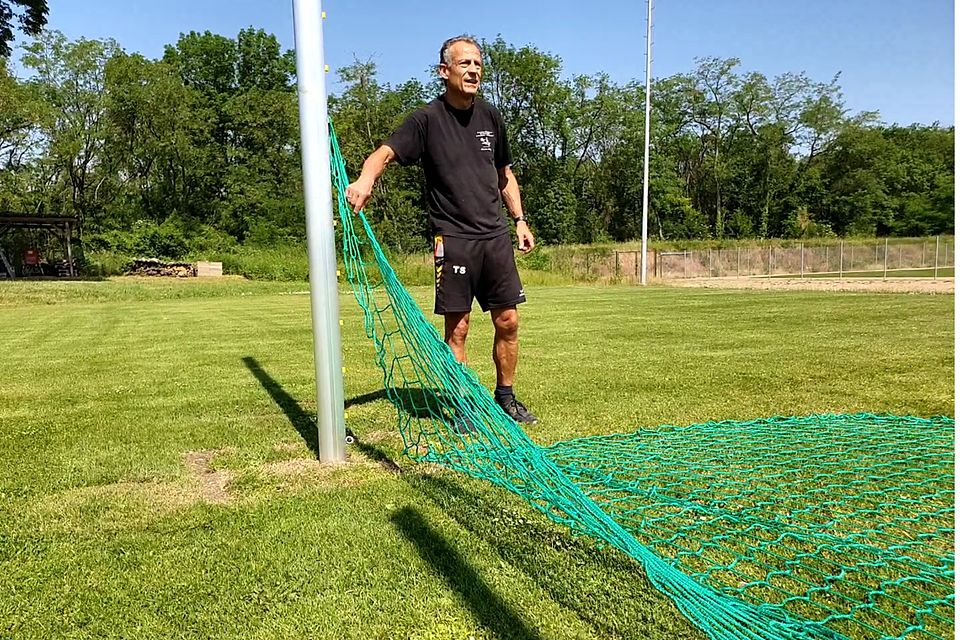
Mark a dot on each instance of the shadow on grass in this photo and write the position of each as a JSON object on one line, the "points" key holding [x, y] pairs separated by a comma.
{"points": [[603, 587], [306, 423], [489, 608], [417, 402]]}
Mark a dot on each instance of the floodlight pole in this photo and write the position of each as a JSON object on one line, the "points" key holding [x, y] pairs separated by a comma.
{"points": [[646, 149], [321, 248]]}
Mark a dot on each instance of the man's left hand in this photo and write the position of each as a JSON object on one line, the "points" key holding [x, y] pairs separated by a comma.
{"points": [[524, 237]]}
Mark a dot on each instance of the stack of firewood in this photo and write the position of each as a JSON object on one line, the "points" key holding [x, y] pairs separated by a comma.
{"points": [[151, 267]]}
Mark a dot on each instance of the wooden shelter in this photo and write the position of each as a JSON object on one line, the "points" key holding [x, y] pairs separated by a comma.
{"points": [[61, 226]]}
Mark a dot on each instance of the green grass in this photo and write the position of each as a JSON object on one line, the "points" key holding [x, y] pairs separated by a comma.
{"points": [[942, 272], [111, 527]]}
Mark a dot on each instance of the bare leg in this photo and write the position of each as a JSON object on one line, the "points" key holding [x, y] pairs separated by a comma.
{"points": [[456, 326], [506, 343]]}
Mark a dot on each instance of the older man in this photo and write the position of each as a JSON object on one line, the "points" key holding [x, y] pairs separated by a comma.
{"points": [[461, 142]]}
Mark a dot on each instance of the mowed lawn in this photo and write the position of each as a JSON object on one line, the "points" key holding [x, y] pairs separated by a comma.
{"points": [[159, 476]]}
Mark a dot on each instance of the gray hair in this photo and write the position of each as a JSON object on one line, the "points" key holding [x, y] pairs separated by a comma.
{"points": [[445, 49]]}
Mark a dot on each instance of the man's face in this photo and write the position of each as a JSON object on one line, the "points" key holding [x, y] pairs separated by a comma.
{"points": [[463, 75]]}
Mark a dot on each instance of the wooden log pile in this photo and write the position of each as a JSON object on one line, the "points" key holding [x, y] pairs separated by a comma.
{"points": [[151, 267]]}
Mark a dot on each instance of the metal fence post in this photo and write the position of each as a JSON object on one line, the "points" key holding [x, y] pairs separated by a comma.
{"points": [[841, 258], [923, 253], [936, 259], [886, 243], [616, 264], [769, 262], [801, 260], [738, 262]]}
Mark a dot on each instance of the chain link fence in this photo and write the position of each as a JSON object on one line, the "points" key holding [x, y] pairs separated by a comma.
{"points": [[881, 258], [889, 257]]}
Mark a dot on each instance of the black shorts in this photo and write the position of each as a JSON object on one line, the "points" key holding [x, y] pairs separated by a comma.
{"points": [[481, 269]]}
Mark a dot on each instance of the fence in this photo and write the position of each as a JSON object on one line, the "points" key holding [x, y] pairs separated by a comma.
{"points": [[883, 257], [923, 257]]}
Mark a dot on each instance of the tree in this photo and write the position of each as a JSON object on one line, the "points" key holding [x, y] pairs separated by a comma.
{"points": [[70, 79], [710, 94], [365, 114], [31, 14]]}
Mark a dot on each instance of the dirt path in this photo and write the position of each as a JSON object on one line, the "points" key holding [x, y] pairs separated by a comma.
{"points": [[877, 285]]}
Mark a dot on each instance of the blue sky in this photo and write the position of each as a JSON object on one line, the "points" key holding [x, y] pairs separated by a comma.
{"points": [[894, 57]]}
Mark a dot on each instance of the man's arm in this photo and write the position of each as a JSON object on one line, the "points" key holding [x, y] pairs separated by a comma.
{"points": [[510, 192], [376, 163]]}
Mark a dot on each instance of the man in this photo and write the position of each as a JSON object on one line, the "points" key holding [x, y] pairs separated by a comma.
{"points": [[461, 142]]}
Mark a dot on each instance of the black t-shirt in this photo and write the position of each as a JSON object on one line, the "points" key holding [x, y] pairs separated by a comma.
{"points": [[461, 151]]}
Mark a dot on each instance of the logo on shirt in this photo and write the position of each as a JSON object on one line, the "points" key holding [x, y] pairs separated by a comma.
{"points": [[486, 140]]}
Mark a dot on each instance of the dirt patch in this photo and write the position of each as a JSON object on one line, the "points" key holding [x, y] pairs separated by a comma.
{"points": [[304, 468], [873, 285], [379, 437], [300, 473], [213, 483]]}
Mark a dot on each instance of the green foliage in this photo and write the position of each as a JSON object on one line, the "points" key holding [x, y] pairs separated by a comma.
{"points": [[147, 153], [31, 14], [800, 225], [267, 263]]}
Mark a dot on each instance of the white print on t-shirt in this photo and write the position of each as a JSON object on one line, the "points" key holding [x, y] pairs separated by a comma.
{"points": [[458, 269], [486, 142]]}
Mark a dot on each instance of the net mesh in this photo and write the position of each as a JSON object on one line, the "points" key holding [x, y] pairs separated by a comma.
{"points": [[823, 526]]}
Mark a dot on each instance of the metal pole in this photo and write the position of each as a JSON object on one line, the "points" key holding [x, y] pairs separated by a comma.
{"points": [[886, 249], [616, 262], [936, 260], [841, 259], [738, 262], [801, 260], [321, 249], [69, 252], [646, 146]]}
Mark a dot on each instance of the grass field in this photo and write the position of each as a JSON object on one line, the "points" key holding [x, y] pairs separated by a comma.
{"points": [[159, 478]]}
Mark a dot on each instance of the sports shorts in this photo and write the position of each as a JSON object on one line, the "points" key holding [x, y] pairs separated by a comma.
{"points": [[467, 268]]}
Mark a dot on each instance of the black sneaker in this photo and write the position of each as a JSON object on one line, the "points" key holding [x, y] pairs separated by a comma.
{"points": [[515, 409], [462, 424]]}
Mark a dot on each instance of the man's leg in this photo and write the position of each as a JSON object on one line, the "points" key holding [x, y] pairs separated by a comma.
{"points": [[456, 326], [506, 345], [506, 349]]}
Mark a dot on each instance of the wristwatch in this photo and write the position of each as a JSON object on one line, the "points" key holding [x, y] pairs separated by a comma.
{"points": [[519, 219]]}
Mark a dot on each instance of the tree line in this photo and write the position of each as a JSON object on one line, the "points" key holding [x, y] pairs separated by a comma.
{"points": [[199, 150]]}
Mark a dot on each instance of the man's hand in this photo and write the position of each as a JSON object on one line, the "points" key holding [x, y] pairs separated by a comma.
{"points": [[359, 193], [524, 237]]}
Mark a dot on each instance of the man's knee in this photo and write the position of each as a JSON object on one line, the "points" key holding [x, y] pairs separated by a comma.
{"points": [[506, 321], [457, 326]]}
